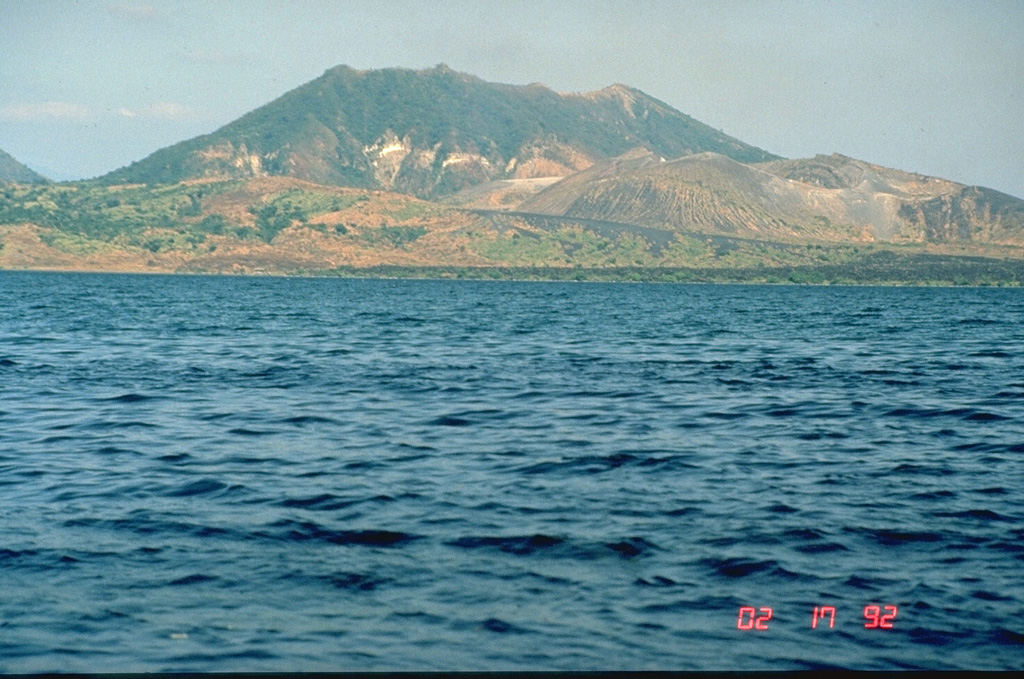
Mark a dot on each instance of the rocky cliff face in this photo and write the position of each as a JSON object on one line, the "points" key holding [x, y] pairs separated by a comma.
{"points": [[911, 207], [967, 215]]}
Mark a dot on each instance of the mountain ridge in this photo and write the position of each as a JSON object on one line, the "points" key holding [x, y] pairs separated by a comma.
{"points": [[828, 198], [13, 171], [430, 133]]}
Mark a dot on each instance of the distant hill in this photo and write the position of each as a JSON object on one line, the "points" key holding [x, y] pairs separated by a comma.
{"points": [[14, 172], [289, 226], [432, 133], [826, 198]]}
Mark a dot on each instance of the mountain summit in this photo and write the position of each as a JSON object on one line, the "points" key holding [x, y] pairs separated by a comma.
{"points": [[431, 133]]}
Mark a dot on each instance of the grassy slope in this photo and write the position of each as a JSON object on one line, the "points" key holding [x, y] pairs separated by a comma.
{"points": [[285, 226]]}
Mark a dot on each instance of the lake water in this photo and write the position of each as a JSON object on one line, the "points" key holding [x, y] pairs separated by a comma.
{"points": [[266, 474]]}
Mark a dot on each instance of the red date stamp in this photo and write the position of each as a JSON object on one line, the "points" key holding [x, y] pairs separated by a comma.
{"points": [[877, 616], [751, 619]]}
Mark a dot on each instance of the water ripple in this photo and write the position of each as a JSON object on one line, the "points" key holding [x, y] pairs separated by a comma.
{"points": [[301, 474]]}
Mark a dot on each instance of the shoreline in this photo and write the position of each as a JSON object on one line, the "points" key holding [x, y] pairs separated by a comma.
{"points": [[918, 270]]}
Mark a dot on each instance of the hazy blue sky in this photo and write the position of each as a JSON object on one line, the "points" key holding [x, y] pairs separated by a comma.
{"points": [[928, 86]]}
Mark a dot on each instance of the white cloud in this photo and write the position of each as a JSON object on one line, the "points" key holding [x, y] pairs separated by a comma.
{"points": [[167, 110], [161, 110], [135, 12], [46, 109], [70, 111]]}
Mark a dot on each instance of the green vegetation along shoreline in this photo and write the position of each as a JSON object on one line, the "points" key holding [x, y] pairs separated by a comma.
{"points": [[882, 268], [281, 226]]}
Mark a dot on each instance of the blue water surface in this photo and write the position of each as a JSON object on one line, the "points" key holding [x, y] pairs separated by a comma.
{"points": [[266, 474]]}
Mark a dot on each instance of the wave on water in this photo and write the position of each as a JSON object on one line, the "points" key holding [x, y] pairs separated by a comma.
{"points": [[254, 474]]}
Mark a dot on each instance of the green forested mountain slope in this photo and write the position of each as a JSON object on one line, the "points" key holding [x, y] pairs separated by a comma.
{"points": [[431, 133]]}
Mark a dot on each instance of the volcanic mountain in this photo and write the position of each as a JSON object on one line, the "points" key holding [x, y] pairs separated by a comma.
{"points": [[431, 133], [825, 198], [441, 171], [12, 171]]}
